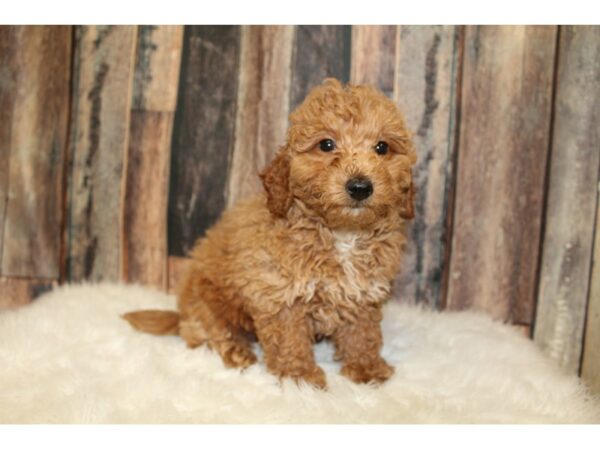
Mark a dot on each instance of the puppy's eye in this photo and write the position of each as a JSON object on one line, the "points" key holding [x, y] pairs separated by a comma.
{"points": [[381, 148], [327, 145]]}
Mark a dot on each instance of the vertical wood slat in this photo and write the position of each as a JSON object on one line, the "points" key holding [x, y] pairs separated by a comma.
{"points": [[572, 199], [590, 370], [158, 57], [320, 51], [202, 133], [426, 86], [373, 56], [503, 146], [15, 292], [8, 87], [262, 107], [34, 102], [100, 127], [145, 202]]}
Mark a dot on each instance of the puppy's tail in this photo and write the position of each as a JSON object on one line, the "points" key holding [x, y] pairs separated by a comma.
{"points": [[154, 321]]}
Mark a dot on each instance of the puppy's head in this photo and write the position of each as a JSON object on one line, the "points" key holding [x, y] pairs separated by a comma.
{"points": [[348, 157]]}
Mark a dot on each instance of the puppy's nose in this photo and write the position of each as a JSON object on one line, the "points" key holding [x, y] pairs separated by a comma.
{"points": [[359, 188]]}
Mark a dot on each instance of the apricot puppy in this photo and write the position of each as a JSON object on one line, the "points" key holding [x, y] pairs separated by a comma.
{"points": [[315, 254]]}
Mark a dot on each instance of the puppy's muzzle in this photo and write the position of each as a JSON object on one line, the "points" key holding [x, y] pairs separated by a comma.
{"points": [[359, 188]]}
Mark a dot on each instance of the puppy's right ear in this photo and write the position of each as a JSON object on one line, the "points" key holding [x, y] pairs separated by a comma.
{"points": [[276, 181]]}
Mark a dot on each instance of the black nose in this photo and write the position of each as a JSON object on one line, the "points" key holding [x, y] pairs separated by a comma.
{"points": [[359, 188]]}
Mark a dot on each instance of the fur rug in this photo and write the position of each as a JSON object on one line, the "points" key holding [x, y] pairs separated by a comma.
{"points": [[69, 358]]}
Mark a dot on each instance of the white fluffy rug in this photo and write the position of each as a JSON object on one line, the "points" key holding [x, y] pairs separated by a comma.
{"points": [[69, 358]]}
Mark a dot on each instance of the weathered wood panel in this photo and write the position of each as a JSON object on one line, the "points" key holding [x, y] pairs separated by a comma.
{"points": [[590, 370], [374, 56], [156, 77], [15, 292], [503, 147], [34, 86], [427, 77], [320, 51], [8, 87], [262, 108], [145, 204], [100, 133], [158, 58], [572, 198], [203, 132]]}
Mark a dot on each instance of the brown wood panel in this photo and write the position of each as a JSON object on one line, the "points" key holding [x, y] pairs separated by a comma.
{"points": [[262, 107], [34, 82], [503, 147], [177, 267], [590, 371], [8, 86], [203, 132], [572, 198], [155, 82], [15, 292], [373, 59], [320, 51], [158, 58], [145, 202], [102, 89], [427, 78]]}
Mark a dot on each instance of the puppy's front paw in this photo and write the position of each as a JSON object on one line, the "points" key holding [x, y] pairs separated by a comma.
{"points": [[312, 375], [376, 372], [239, 355], [315, 376]]}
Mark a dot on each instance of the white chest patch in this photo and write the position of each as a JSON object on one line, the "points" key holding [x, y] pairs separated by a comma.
{"points": [[345, 243]]}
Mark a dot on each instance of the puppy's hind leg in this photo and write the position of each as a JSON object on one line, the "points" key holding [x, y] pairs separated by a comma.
{"points": [[208, 318]]}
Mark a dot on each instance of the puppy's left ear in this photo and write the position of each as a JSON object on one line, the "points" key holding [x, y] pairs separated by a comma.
{"points": [[276, 181], [407, 204]]}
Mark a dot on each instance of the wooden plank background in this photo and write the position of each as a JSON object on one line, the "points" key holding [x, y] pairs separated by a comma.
{"points": [[572, 200], [155, 82], [36, 98], [121, 145], [501, 167], [102, 79], [426, 88]]}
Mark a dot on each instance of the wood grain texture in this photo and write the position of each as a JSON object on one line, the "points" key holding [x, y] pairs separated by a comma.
{"points": [[155, 83], [590, 370], [158, 58], [177, 268], [320, 51], [102, 83], [427, 77], [145, 202], [203, 132], [15, 292], [503, 147], [262, 107], [8, 86], [572, 198], [373, 59], [34, 82]]}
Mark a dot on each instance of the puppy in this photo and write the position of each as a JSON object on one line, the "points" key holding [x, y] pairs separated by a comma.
{"points": [[315, 254]]}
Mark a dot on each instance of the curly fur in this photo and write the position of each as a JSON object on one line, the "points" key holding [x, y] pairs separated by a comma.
{"points": [[305, 259]]}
